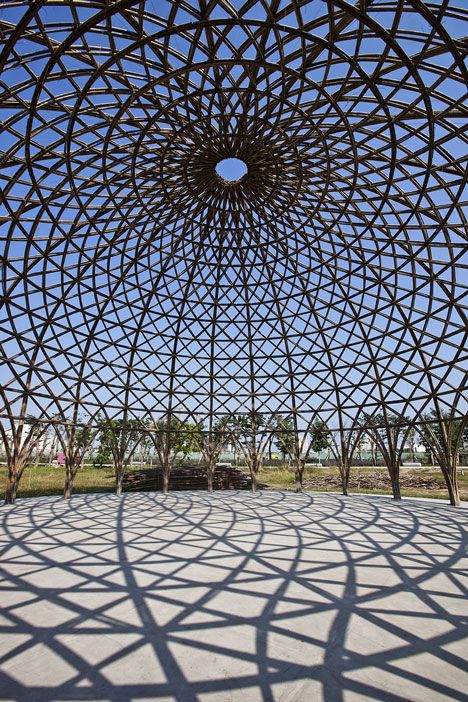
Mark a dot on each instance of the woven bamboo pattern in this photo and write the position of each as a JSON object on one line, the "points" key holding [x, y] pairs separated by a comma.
{"points": [[328, 280]]}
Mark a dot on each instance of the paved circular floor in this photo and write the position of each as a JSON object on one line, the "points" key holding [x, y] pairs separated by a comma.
{"points": [[232, 596]]}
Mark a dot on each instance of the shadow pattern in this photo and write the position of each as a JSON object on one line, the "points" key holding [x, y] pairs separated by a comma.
{"points": [[232, 596]]}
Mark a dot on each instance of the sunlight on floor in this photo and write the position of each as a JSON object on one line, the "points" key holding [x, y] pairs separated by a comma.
{"points": [[232, 596]]}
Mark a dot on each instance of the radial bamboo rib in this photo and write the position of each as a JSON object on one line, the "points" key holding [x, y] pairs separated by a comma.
{"points": [[327, 282]]}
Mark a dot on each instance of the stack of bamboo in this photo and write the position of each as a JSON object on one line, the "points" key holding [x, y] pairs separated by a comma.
{"points": [[188, 477], [374, 481]]}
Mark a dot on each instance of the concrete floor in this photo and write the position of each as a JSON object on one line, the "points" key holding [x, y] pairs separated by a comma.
{"points": [[232, 596]]}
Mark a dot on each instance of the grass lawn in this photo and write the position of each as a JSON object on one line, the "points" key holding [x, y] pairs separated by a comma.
{"points": [[48, 480]]}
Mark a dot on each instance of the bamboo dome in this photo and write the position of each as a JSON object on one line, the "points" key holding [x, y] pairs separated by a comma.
{"points": [[319, 275]]}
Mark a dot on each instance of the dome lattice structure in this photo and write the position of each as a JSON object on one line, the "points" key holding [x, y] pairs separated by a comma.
{"points": [[326, 281]]}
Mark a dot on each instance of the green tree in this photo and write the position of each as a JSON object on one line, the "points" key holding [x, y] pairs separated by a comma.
{"points": [[320, 436], [251, 432], [212, 441], [119, 438], [103, 454], [370, 421], [317, 432], [173, 438], [76, 440], [360, 441], [444, 434], [411, 440], [286, 439], [20, 438]]}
